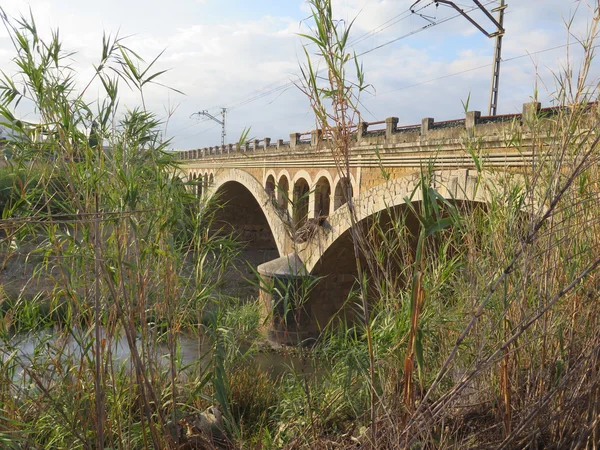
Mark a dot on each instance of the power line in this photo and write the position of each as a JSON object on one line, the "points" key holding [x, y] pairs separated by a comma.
{"points": [[287, 85], [450, 75], [264, 94], [498, 34], [375, 30], [419, 30], [257, 91], [198, 133], [221, 122], [269, 90], [181, 129], [525, 55]]}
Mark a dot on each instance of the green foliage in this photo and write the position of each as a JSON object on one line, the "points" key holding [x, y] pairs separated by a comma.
{"points": [[253, 393], [7, 187], [21, 190], [93, 200]]}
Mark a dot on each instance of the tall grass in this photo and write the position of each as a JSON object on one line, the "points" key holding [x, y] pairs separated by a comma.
{"points": [[487, 312], [119, 240], [335, 105]]}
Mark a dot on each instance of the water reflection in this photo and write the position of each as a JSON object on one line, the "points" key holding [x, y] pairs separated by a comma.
{"points": [[49, 344]]}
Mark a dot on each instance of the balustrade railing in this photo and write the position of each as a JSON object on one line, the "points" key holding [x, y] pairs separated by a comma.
{"points": [[366, 133]]}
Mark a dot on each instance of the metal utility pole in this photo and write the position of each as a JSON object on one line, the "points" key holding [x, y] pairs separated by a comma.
{"points": [[497, 59], [220, 122], [498, 34]]}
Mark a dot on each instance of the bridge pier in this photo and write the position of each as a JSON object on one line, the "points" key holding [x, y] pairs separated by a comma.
{"points": [[299, 305], [285, 287]]}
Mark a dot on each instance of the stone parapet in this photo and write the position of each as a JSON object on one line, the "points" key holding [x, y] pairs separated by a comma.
{"points": [[385, 135]]}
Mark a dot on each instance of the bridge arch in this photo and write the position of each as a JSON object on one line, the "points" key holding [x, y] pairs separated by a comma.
{"points": [[457, 185], [302, 174], [323, 173], [330, 253], [322, 197], [199, 187], [251, 199], [205, 181], [195, 185]]}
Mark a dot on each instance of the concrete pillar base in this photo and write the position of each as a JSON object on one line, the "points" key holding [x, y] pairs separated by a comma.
{"points": [[284, 300]]}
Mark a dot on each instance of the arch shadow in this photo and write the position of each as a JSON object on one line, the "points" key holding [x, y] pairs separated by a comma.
{"points": [[452, 185], [247, 207]]}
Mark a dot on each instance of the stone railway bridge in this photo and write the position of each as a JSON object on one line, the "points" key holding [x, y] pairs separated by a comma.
{"points": [[289, 196]]}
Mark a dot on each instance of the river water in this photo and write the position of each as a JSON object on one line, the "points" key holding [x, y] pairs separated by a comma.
{"points": [[28, 348], [192, 347]]}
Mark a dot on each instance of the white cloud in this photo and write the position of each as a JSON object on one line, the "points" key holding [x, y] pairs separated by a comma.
{"points": [[221, 62]]}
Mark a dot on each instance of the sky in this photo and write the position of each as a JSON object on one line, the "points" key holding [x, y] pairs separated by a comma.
{"points": [[244, 55]]}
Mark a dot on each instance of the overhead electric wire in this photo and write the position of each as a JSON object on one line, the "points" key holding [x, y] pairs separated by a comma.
{"points": [[198, 133], [472, 69], [418, 30], [412, 33], [263, 94], [287, 85], [181, 129], [257, 91], [450, 75], [381, 27], [269, 90]]}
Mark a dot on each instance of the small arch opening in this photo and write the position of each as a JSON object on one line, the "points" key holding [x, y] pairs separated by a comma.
{"points": [[211, 179], [322, 197], [341, 192], [270, 187], [283, 189], [193, 184], [205, 181], [301, 193], [199, 189]]}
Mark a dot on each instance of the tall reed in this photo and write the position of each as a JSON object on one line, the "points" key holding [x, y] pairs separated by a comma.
{"points": [[493, 303], [118, 238]]}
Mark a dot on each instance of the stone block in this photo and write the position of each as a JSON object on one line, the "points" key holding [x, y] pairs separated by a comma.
{"points": [[294, 140], [426, 125], [391, 123], [316, 137], [362, 130], [471, 120]]}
